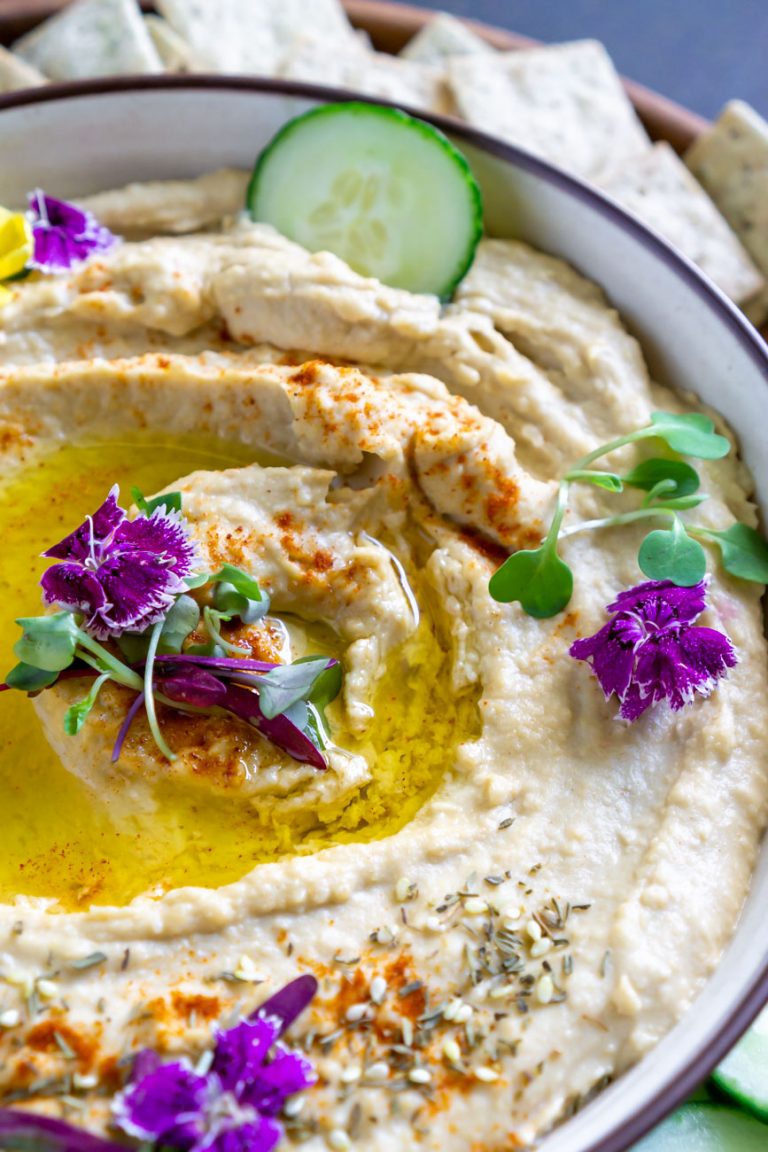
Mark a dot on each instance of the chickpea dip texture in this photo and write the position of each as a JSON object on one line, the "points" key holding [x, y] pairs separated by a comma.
{"points": [[509, 896]]}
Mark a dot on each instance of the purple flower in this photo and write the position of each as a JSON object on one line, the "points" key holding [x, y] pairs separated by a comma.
{"points": [[121, 574], [63, 234], [651, 650], [229, 1108]]}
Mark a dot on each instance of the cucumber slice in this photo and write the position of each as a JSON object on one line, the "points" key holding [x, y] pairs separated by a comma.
{"points": [[744, 1072], [387, 193], [706, 1128]]}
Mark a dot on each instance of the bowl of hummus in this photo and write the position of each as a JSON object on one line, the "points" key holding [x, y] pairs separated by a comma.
{"points": [[526, 888]]}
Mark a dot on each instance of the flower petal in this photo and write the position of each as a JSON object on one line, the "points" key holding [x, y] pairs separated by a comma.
{"points": [[140, 589], [73, 587], [165, 1106], [258, 1135], [287, 1073], [611, 654], [241, 1051], [63, 234], [661, 601], [163, 534], [96, 529]]}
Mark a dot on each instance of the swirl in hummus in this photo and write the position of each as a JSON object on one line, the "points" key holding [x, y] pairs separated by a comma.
{"points": [[507, 895]]}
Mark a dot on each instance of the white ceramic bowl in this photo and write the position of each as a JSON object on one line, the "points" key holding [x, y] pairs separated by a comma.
{"points": [[75, 139]]}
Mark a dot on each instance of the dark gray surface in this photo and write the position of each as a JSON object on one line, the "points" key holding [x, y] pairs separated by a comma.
{"points": [[698, 52]]}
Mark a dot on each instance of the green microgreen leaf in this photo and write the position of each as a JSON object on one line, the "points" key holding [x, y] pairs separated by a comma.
{"points": [[608, 480], [228, 601], [744, 552], [183, 617], [47, 642], [209, 649], [240, 581], [76, 715], [691, 435], [288, 684], [171, 501], [681, 503], [327, 683], [671, 554], [27, 678], [538, 579], [134, 646], [679, 478], [197, 580]]}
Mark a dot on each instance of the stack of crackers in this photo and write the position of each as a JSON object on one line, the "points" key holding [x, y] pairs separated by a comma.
{"points": [[564, 102]]}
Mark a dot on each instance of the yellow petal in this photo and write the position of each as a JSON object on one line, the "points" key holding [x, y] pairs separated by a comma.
{"points": [[15, 243]]}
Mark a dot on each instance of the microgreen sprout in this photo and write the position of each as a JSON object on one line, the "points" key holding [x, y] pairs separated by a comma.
{"points": [[131, 612], [543, 583]]}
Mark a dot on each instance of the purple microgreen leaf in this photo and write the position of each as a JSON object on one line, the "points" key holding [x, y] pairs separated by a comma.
{"points": [[130, 716], [34, 1133], [194, 686], [170, 501], [47, 642], [673, 555], [280, 730], [538, 579], [289, 1003], [225, 664], [183, 617], [680, 478], [27, 678], [287, 684], [77, 714]]}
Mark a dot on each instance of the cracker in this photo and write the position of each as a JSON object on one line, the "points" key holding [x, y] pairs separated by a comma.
{"points": [[658, 188], [731, 162], [175, 53], [252, 35], [564, 102], [371, 73], [91, 38], [16, 73], [444, 36]]}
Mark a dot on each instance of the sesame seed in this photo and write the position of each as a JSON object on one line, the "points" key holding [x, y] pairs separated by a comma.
{"points": [[338, 1140], [9, 1018], [82, 1083], [356, 1013], [405, 890], [541, 947], [18, 980], [406, 1030], [463, 1014], [378, 1071], [545, 990], [475, 906], [419, 1076], [451, 1051], [502, 992], [351, 1074], [451, 1008], [534, 930], [434, 924], [378, 989], [293, 1106], [46, 989], [485, 1074]]}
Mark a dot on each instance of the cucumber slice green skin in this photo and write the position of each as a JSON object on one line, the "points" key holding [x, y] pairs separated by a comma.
{"points": [[706, 1128], [383, 190], [743, 1075]]}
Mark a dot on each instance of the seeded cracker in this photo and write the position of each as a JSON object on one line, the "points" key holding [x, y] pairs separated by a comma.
{"points": [[16, 73], [659, 189], [91, 38], [252, 35], [564, 102], [175, 53], [370, 73], [731, 162], [444, 36]]}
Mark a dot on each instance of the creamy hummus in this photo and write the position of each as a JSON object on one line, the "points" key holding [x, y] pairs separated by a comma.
{"points": [[508, 895]]}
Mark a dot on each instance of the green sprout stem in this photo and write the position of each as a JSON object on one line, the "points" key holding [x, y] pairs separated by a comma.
{"points": [[623, 518], [614, 445], [98, 657], [149, 697], [211, 620]]}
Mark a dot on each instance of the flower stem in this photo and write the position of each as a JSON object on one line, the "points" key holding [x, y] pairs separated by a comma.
{"points": [[149, 698], [624, 518]]}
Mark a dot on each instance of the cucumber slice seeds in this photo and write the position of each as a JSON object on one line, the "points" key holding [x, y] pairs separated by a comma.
{"points": [[706, 1128], [743, 1074], [387, 193]]}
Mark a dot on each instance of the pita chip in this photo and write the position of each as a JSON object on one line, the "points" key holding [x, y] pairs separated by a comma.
{"points": [[91, 38], [444, 36]]}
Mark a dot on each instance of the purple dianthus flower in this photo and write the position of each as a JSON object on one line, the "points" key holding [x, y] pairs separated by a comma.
{"points": [[121, 574], [650, 650], [232, 1107], [63, 234]]}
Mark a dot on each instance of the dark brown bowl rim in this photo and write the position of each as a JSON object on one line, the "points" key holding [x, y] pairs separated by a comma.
{"points": [[756, 994]]}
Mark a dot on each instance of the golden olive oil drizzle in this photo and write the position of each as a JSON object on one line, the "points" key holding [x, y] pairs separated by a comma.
{"points": [[60, 841]]}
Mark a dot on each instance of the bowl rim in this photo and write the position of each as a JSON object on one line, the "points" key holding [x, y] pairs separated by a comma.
{"points": [[755, 995]]}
